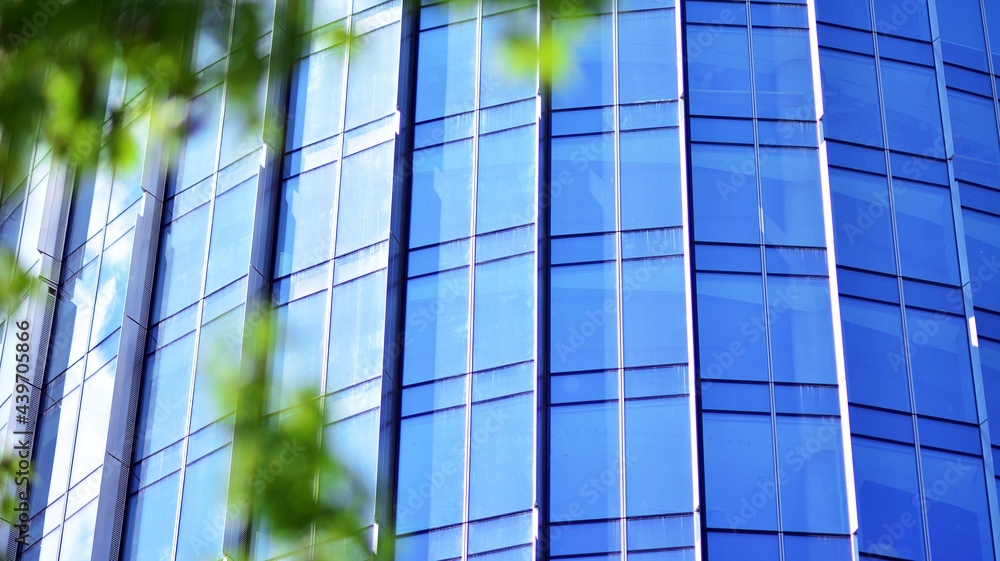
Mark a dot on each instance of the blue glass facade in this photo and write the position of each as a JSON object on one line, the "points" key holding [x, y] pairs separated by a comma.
{"points": [[728, 289]]}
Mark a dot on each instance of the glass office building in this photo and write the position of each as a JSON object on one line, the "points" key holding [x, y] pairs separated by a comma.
{"points": [[729, 290]]}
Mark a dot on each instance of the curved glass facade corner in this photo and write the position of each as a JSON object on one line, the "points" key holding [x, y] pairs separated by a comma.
{"points": [[728, 289]]}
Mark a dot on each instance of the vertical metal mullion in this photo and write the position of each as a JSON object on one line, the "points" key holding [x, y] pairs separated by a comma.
{"points": [[688, 223], [619, 281], [467, 473], [114, 490], [543, 294], [764, 293], [396, 285], [825, 186], [237, 542]]}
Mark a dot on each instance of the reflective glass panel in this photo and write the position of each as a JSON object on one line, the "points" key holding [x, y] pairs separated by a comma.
{"points": [[801, 329], [585, 462], [739, 472], [441, 205], [504, 313], [731, 322], [942, 372], [650, 174], [501, 466], [431, 467], [437, 326], [584, 332], [654, 315], [782, 68], [658, 455], [874, 354], [583, 184], [719, 70], [726, 207], [305, 220]]}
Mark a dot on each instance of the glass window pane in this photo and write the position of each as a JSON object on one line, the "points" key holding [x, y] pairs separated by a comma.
{"points": [[203, 509], [200, 144], [431, 466], [982, 245], [874, 354], [719, 71], [446, 64], [314, 101], [862, 221], [590, 81], [989, 355], [504, 313], [959, 520], [500, 84], [95, 416], [78, 533], [731, 324], [229, 252], [149, 532], [850, 96], [74, 313], [993, 29], [243, 124], [813, 484], [437, 326], [501, 470], [912, 112], [298, 352], [354, 442], [739, 472], [54, 451], [913, 21], [372, 76], [180, 264], [110, 305], [782, 64], [357, 331], [221, 342], [801, 330], [441, 207], [658, 452], [164, 400], [650, 179], [942, 372], [584, 318], [305, 220], [792, 198], [890, 519], [738, 547], [851, 13], [646, 57], [505, 193], [725, 193], [585, 462], [977, 153], [961, 25], [655, 316], [926, 227], [583, 184], [366, 186]]}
